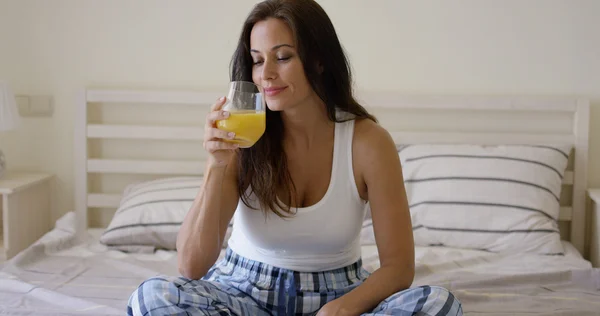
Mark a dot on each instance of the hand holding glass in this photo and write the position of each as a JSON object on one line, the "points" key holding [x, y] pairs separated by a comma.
{"points": [[247, 118]]}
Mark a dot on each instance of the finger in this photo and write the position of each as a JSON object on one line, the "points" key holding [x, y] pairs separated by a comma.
{"points": [[214, 116], [213, 146], [217, 106], [215, 133]]}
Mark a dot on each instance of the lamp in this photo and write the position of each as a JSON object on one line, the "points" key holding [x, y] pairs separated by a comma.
{"points": [[9, 117]]}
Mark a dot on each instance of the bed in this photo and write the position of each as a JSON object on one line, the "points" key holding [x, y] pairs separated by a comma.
{"points": [[503, 260]]}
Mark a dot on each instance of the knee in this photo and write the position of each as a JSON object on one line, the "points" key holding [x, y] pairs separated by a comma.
{"points": [[441, 300], [423, 300], [152, 293], [153, 287]]}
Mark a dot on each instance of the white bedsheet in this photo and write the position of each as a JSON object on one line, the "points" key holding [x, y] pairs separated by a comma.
{"points": [[57, 277]]}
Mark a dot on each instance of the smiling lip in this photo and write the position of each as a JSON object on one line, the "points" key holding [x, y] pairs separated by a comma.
{"points": [[273, 91]]}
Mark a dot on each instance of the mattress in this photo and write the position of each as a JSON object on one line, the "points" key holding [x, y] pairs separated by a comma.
{"points": [[57, 276]]}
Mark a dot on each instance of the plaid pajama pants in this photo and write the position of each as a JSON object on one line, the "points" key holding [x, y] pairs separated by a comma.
{"points": [[238, 286]]}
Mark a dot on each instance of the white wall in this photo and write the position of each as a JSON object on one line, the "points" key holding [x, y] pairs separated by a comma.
{"points": [[540, 47]]}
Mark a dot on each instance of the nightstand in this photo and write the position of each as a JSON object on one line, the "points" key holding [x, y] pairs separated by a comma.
{"points": [[594, 226], [25, 205]]}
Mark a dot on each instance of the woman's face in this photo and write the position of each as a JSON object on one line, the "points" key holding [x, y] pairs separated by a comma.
{"points": [[277, 66]]}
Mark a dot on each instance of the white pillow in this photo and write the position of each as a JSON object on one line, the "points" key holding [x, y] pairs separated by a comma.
{"points": [[150, 214], [494, 198]]}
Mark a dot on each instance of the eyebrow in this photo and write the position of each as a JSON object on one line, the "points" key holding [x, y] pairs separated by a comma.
{"points": [[276, 47]]}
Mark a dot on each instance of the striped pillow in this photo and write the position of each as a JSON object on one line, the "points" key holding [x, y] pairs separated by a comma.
{"points": [[493, 198], [150, 214]]}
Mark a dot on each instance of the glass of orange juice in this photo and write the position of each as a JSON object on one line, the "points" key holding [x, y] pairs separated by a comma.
{"points": [[247, 118]]}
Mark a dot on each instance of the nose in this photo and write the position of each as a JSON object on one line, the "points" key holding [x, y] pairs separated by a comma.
{"points": [[269, 71]]}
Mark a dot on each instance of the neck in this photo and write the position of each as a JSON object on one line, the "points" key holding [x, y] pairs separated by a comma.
{"points": [[306, 123]]}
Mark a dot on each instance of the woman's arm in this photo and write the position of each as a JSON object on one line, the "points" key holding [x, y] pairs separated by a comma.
{"points": [[201, 235], [377, 161]]}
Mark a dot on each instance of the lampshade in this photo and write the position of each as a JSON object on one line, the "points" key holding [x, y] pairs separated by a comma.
{"points": [[9, 114]]}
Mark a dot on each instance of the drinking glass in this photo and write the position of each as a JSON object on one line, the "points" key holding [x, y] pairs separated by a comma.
{"points": [[247, 118]]}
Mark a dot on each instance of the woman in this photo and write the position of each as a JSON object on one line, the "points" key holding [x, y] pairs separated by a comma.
{"points": [[299, 194]]}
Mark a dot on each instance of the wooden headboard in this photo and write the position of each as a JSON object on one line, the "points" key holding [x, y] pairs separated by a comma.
{"points": [[124, 136]]}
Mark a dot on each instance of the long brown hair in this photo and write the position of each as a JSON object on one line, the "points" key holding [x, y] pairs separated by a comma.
{"points": [[263, 167]]}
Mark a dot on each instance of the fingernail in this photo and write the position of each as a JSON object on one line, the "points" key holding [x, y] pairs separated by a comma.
{"points": [[231, 135], [221, 98], [225, 114]]}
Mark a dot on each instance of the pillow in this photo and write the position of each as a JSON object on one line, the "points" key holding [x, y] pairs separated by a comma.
{"points": [[150, 214], [493, 198]]}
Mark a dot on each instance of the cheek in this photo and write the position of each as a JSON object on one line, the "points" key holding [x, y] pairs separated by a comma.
{"points": [[300, 80], [294, 76]]}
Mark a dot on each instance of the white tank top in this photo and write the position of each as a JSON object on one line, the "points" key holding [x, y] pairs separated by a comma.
{"points": [[320, 237]]}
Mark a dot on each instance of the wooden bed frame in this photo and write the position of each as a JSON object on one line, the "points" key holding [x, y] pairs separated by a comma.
{"points": [[123, 136]]}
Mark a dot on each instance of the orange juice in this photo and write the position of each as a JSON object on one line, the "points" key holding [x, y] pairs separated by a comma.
{"points": [[248, 126]]}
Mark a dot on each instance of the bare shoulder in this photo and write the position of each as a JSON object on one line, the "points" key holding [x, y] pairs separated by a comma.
{"points": [[375, 160], [372, 141]]}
